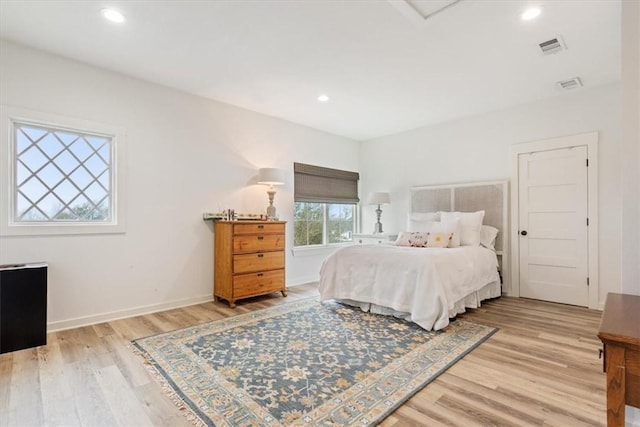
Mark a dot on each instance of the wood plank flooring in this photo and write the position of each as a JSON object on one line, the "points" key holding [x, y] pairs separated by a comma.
{"points": [[540, 368]]}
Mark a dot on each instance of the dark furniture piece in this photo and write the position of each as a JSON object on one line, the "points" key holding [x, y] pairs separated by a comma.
{"points": [[23, 306], [620, 335]]}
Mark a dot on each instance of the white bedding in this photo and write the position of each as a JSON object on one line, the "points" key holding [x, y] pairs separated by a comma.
{"points": [[427, 284]]}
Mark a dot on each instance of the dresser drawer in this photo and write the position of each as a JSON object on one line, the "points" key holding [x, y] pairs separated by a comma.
{"points": [[247, 263], [258, 228], [258, 283], [258, 242]]}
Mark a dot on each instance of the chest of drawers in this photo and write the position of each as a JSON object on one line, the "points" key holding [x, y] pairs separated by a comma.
{"points": [[249, 259]]}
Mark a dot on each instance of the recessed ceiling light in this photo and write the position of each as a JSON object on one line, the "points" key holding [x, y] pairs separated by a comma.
{"points": [[530, 13], [112, 15], [323, 98]]}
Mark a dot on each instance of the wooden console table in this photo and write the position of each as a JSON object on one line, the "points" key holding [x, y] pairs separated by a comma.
{"points": [[620, 335]]}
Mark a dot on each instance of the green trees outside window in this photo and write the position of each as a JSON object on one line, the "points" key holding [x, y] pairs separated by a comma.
{"points": [[323, 223]]}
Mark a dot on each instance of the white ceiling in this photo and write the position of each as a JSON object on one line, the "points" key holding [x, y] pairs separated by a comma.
{"points": [[384, 71]]}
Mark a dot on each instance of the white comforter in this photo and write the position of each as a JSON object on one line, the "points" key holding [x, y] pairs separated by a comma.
{"points": [[424, 282]]}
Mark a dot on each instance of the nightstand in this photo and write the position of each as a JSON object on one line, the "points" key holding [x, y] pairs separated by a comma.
{"points": [[372, 239]]}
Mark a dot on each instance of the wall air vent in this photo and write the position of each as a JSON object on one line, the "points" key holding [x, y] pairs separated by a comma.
{"points": [[570, 84], [552, 46]]}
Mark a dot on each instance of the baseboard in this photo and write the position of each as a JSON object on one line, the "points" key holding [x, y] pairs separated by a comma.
{"points": [[122, 314], [137, 311], [303, 281]]}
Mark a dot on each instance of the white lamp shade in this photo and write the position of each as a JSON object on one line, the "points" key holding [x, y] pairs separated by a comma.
{"points": [[379, 199], [270, 176]]}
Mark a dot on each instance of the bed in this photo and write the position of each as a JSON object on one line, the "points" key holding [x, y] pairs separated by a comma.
{"points": [[428, 285]]}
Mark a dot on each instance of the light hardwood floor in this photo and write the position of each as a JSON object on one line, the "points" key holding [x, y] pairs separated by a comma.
{"points": [[540, 368]]}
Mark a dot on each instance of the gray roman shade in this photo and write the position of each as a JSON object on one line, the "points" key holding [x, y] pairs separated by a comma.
{"points": [[324, 185]]}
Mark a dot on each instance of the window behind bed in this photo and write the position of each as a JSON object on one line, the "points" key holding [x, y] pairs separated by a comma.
{"points": [[325, 205]]}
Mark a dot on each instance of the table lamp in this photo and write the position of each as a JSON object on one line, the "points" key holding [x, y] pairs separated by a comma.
{"points": [[271, 177]]}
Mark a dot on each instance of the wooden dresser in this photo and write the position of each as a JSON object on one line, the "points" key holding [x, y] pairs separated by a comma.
{"points": [[249, 259], [620, 334]]}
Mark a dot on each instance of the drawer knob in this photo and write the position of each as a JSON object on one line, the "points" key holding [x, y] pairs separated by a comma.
{"points": [[261, 227], [260, 274], [260, 255], [260, 237]]}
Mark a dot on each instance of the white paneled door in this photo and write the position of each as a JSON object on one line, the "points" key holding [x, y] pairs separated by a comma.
{"points": [[553, 225]]}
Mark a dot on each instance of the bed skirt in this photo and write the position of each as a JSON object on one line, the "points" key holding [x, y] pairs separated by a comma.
{"points": [[473, 300]]}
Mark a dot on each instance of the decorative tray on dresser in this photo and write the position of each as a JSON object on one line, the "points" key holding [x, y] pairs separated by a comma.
{"points": [[249, 259]]}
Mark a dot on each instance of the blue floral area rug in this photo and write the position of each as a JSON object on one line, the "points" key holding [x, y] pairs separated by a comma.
{"points": [[305, 363]]}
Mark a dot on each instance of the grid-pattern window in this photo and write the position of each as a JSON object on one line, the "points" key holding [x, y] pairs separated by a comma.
{"points": [[61, 175]]}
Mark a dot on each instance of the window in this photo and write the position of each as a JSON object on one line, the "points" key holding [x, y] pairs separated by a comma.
{"points": [[61, 177], [325, 205], [323, 223]]}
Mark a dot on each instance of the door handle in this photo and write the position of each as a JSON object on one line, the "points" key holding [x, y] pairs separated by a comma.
{"points": [[523, 232]]}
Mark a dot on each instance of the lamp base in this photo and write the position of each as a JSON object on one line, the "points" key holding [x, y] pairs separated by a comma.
{"points": [[271, 210], [378, 227]]}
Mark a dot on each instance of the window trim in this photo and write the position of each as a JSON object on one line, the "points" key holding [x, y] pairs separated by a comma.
{"points": [[8, 225]]}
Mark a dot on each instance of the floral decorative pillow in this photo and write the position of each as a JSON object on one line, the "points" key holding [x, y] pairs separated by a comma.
{"points": [[424, 240], [448, 226], [417, 239], [439, 239]]}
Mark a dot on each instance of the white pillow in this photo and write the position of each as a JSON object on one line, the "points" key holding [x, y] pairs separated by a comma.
{"points": [[449, 226], [414, 219], [488, 236], [470, 225]]}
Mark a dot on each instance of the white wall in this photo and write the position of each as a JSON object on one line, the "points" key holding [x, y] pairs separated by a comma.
{"points": [[186, 155], [630, 265], [477, 149], [631, 148]]}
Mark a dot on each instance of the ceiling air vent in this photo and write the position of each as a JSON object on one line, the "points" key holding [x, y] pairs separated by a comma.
{"points": [[552, 46], [420, 10], [570, 84]]}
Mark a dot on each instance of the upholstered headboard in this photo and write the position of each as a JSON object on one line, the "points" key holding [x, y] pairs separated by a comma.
{"points": [[490, 196]]}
